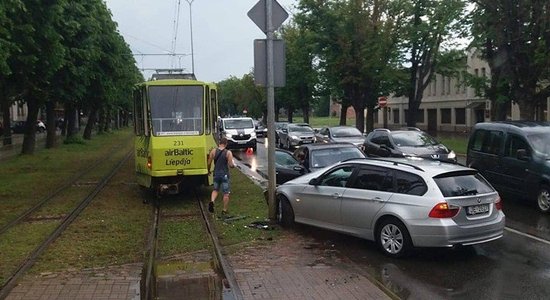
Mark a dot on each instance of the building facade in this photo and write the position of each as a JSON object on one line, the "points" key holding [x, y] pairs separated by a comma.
{"points": [[447, 104]]}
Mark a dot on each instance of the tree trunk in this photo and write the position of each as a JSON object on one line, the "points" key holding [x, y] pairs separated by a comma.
{"points": [[70, 120], [107, 124], [360, 117], [343, 115], [370, 119], [101, 121], [29, 140], [51, 128], [92, 117], [305, 112], [6, 120], [289, 114]]}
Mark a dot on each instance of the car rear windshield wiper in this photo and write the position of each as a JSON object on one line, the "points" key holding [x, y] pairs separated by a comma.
{"points": [[464, 192]]}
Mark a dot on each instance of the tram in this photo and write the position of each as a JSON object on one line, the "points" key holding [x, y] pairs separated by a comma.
{"points": [[175, 126]]}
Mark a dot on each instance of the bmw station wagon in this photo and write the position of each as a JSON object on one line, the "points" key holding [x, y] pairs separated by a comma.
{"points": [[399, 203]]}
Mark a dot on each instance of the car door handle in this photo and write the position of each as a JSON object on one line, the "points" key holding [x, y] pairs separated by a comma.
{"points": [[376, 199], [336, 196]]}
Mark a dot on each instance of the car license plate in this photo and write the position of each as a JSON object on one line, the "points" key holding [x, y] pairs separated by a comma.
{"points": [[477, 209], [242, 142], [306, 141]]}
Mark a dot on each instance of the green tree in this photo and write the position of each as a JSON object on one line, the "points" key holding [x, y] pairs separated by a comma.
{"points": [[429, 24], [514, 37], [301, 75]]}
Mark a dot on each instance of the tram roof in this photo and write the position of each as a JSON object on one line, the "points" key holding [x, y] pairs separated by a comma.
{"points": [[175, 82]]}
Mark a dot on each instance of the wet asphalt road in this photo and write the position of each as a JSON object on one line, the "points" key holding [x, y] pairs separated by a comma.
{"points": [[515, 267]]}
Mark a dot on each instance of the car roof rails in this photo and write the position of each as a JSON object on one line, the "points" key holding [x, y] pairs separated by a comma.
{"points": [[396, 163], [411, 128], [381, 129]]}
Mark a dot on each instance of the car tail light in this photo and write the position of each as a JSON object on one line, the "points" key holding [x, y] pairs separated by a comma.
{"points": [[498, 203], [149, 163], [443, 210]]}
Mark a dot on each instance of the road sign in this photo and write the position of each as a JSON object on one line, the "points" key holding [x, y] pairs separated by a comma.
{"points": [[260, 63], [382, 101], [258, 15]]}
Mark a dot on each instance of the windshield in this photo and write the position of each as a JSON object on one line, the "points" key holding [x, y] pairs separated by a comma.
{"points": [[325, 157], [413, 139], [540, 142], [346, 132], [238, 124], [456, 184], [300, 129], [176, 110], [284, 159]]}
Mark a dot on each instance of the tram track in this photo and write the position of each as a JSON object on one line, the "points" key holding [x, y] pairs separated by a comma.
{"points": [[149, 278], [64, 221]]}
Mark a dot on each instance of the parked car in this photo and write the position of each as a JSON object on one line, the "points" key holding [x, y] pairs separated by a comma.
{"points": [[514, 156], [317, 156], [407, 142], [260, 129], [399, 203], [19, 126], [240, 132], [278, 128], [295, 134], [346, 134], [286, 166]]}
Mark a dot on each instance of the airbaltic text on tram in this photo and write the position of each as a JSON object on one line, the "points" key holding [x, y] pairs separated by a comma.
{"points": [[178, 152]]}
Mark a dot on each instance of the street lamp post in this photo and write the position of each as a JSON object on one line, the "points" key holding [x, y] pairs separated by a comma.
{"points": [[191, 29]]}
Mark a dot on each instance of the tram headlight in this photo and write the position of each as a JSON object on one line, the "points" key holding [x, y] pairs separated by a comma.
{"points": [[149, 163]]}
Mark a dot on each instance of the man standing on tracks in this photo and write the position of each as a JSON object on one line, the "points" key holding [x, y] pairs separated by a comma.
{"points": [[223, 160]]}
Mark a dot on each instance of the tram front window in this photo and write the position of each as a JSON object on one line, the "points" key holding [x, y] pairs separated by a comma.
{"points": [[176, 110]]}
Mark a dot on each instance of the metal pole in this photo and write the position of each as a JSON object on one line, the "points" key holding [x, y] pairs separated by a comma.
{"points": [[270, 111], [191, 28]]}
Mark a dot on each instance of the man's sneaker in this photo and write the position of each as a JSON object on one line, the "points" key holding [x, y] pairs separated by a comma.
{"points": [[224, 214], [211, 207]]}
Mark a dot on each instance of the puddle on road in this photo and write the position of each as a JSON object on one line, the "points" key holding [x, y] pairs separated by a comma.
{"points": [[205, 287]]}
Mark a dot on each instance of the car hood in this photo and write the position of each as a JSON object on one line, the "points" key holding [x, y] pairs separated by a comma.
{"points": [[352, 139], [424, 151]]}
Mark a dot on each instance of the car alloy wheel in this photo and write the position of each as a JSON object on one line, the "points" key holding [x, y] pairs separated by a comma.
{"points": [[393, 238], [543, 199]]}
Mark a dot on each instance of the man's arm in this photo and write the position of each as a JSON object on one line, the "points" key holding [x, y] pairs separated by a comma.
{"points": [[210, 159], [230, 159]]}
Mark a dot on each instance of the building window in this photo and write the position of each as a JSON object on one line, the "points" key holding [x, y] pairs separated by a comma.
{"points": [[396, 116], [483, 72], [420, 116], [434, 85], [445, 116], [460, 114], [448, 85], [442, 85], [476, 72]]}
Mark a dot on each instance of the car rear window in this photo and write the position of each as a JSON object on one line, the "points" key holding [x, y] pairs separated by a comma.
{"points": [[462, 183]]}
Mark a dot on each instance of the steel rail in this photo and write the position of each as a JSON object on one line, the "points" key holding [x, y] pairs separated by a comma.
{"points": [[31, 259]]}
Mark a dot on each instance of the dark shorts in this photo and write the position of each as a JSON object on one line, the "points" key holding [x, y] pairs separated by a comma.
{"points": [[223, 182]]}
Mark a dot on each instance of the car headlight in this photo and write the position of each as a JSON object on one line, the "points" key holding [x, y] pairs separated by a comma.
{"points": [[228, 135], [294, 137], [452, 155], [253, 134]]}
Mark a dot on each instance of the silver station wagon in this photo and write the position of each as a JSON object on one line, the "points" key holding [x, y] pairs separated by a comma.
{"points": [[399, 203]]}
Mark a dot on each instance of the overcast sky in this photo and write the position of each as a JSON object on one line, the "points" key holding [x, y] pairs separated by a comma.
{"points": [[223, 34]]}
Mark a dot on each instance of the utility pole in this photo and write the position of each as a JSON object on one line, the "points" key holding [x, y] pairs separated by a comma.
{"points": [[191, 29]]}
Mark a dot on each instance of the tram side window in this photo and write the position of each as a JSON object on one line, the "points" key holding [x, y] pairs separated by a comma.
{"points": [[177, 110], [207, 112], [214, 109], [138, 112]]}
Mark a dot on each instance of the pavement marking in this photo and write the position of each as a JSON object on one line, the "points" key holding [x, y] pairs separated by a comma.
{"points": [[528, 235]]}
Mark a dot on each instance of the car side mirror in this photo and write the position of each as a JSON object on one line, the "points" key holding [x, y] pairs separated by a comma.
{"points": [[315, 181], [300, 169], [521, 154], [285, 130]]}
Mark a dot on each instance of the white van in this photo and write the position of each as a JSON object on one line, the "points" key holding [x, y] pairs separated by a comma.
{"points": [[240, 133]]}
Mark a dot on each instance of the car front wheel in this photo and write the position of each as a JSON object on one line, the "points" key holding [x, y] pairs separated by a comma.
{"points": [[543, 199], [393, 238], [285, 213]]}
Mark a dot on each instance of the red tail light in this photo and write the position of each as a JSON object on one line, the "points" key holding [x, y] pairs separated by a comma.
{"points": [[443, 210], [149, 163], [498, 203]]}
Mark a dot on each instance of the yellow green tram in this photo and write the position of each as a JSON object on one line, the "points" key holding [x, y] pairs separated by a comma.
{"points": [[175, 126]]}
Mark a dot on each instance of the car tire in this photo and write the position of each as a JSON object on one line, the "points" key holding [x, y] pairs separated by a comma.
{"points": [[393, 238], [543, 199], [254, 147], [285, 213]]}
